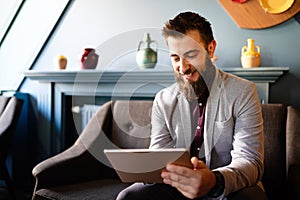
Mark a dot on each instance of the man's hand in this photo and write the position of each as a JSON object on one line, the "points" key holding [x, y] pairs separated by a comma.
{"points": [[192, 183]]}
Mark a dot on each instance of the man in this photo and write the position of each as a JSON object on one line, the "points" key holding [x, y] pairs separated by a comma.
{"points": [[215, 114]]}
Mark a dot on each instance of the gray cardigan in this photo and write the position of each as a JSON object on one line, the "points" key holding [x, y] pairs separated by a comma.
{"points": [[233, 129]]}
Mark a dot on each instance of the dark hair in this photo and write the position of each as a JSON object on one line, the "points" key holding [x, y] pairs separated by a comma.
{"points": [[188, 21]]}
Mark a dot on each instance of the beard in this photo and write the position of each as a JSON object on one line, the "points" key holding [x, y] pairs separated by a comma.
{"points": [[191, 89]]}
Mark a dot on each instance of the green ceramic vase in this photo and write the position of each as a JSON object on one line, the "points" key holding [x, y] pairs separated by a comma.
{"points": [[146, 57]]}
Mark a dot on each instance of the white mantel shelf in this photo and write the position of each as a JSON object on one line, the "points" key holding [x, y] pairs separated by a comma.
{"points": [[92, 76], [259, 74]]}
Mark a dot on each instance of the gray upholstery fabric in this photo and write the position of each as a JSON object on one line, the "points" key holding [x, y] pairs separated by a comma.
{"points": [[92, 190], [10, 109], [3, 102], [274, 116], [293, 152], [293, 136], [79, 172], [131, 124]]}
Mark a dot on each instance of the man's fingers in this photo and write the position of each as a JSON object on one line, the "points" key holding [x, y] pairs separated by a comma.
{"points": [[183, 186], [174, 177], [183, 171], [197, 164]]}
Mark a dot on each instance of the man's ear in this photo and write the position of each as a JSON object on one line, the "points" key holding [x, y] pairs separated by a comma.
{"points": [[211, 48]]}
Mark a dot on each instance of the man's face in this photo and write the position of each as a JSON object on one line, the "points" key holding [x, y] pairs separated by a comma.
{"points": [[188, 56]]}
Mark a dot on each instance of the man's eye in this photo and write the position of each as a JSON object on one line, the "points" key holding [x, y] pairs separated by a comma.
{"points": [[175, 59], [191, 56]]}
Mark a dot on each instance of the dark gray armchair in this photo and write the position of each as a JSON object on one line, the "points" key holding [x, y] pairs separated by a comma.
{"points": [[10, 109], [82, 171]]}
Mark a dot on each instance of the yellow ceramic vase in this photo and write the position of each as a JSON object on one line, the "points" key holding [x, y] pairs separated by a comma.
{"points": [[60, 62], [250, 55]]}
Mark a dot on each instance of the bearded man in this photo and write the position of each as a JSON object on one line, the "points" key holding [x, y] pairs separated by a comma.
{"points": [[214, 114]]}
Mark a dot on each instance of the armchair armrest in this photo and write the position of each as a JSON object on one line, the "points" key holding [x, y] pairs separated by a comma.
{"points": [[84, 160], [74, 165]]}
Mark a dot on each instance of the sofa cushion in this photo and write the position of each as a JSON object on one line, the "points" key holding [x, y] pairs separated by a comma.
{"points": [[129, 129], [93, 190]]}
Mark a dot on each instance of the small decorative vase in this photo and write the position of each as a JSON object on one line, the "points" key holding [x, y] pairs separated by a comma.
{"points": [[89, 59], [60, 62], [250, 55], [146, 57]]}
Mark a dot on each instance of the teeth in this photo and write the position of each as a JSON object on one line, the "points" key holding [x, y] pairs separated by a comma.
{"points": [[190, 74]]}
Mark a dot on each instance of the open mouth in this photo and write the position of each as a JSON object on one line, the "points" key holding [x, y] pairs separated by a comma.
{"points": [[189, 74]]}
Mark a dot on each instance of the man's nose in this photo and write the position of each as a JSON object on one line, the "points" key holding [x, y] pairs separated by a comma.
{"points": [[184, 66]]}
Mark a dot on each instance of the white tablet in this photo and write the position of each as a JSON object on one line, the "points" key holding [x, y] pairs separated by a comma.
{"points": [[145, 165]]}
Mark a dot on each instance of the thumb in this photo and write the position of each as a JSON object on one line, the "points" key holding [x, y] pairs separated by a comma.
{"points": [[197, 164]]}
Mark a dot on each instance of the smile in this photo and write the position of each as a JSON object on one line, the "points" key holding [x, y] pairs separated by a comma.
{"points": [[189, 74]]}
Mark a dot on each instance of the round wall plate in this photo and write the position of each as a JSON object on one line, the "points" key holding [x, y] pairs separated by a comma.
{"points": [[276, 6]]}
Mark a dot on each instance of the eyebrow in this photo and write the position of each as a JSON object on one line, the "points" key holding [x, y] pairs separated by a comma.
{"points": [[186, 53], [173, 55]]}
